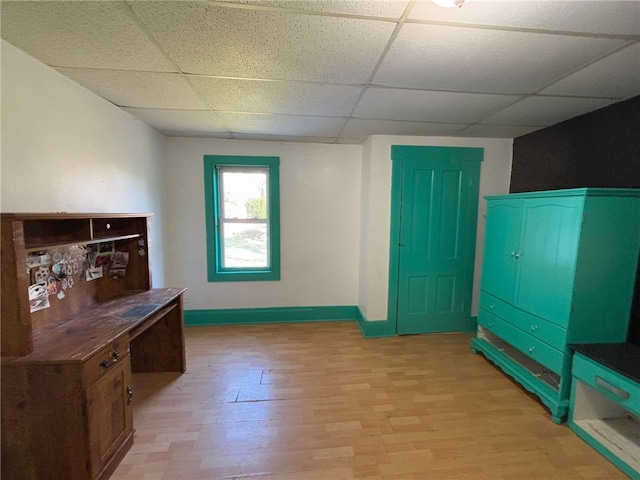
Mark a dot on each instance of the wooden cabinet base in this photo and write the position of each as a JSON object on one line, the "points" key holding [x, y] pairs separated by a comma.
{"points": [[116, 459], [67, 407]]}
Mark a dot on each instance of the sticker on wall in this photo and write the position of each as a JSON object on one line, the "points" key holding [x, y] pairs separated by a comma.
{"points": [[41, 274], [38, 297], [107, 248], [59, 270], [119, 264], [52, 286], [93, 273], [61, 295], [33, 261]]}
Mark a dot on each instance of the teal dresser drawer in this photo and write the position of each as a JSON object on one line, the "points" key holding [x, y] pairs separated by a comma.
{"points": [[495, 306], [527, 344], [620, 389], [548, 332]]}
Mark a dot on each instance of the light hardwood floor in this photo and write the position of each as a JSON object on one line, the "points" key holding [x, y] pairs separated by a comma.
{"points": [[319, 401]]}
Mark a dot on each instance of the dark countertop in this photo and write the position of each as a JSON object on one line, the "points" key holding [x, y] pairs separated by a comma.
{"points": [[623, 358]]}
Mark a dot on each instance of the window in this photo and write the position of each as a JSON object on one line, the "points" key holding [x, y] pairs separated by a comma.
{"points": [[242, 197]]}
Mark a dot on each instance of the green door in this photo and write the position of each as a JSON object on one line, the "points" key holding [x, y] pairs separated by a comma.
{"points": [[434, 213]]}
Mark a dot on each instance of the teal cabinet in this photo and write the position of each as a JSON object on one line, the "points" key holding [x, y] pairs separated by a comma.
{"points": [[559, 267]]}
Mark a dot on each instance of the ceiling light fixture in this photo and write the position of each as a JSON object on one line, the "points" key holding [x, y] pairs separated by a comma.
{"points": [[449, 3]]}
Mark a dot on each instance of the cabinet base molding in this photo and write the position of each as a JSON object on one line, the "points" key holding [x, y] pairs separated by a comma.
{"points": [[117, 458], [528, 379]]}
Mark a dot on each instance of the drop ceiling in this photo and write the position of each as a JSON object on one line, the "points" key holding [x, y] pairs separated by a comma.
{"points": [[337, 71]]}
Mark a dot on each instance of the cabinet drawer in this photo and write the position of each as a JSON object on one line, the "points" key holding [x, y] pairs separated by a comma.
{"points": [[495, 306], [103, 361], [527, 344], [541, 329], [618, 388]]}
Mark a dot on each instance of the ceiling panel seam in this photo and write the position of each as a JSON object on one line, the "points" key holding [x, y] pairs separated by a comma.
{"points": [[386, 49], [150, 36]]}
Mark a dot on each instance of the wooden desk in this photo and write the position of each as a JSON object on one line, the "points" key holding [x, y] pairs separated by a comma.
{"points": [[66, 406]]}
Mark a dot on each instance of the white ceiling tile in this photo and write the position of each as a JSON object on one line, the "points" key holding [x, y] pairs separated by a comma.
{"points": [[196, 134], [536, 111], [599, 17], [496, 131], [287, 125], [138, 89], [426, 106], [262, 96], [293, 70], [283, 138], [476, 60], [363, 128], [179, 120], [615, 76], [351, 141], [221, 41], [370, 8], [81, 34]]}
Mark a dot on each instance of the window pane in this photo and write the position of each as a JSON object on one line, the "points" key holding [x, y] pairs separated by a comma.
{"points": [[244, 245], [244, 193]]}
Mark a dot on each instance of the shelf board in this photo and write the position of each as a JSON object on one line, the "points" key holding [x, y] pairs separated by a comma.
{"points": [[621, 436], [45, 246]]}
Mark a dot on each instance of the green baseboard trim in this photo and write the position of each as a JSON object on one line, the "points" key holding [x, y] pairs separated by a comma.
{"points": [[374, 329], [240, 316]]}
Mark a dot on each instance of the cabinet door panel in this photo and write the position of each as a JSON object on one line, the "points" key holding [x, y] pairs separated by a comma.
{"points": [[547, 260], [109, 414], [501, 243]]}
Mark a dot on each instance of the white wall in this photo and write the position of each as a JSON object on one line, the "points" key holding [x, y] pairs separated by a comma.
{"points": [[320, 216], [376, 210], [64, 149]]}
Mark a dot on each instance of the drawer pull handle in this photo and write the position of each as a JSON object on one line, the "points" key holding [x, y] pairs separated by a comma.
{"points": [[129, 394], [534, 328], [115, 356], [618, 392], [532, 349], [492, 306]]}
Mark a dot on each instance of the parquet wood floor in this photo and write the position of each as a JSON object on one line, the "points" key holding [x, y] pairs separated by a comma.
{"points": [[314, 401]]}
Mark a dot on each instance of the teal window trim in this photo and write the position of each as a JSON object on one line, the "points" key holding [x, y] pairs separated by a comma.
{"points": [[215, 272]]}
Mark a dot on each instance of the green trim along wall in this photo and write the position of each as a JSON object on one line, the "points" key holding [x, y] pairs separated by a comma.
{"points": [[244, 316]]}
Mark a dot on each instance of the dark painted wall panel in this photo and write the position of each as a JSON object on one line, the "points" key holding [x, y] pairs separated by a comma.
{"points": [[599, 149]]}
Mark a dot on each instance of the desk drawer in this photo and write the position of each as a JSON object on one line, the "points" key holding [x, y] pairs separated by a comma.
{"points": [[101, 362], [527, 344], [620, 389]]}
